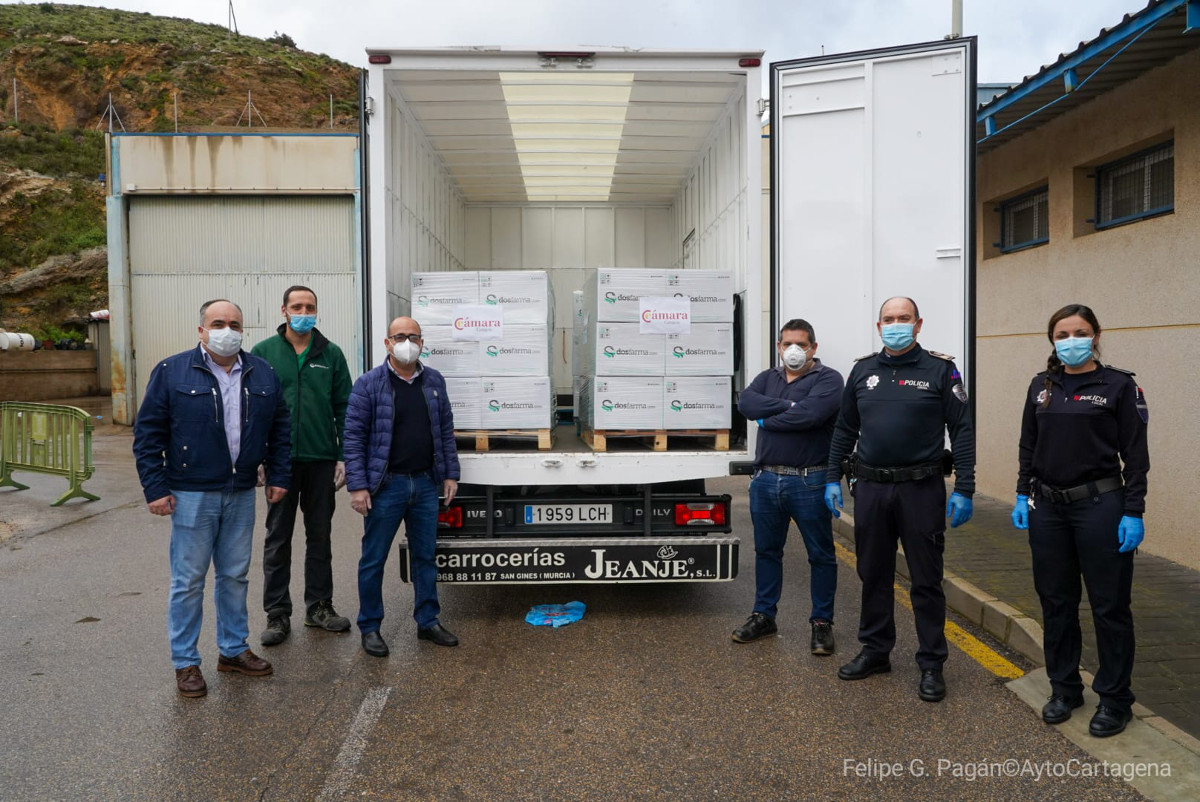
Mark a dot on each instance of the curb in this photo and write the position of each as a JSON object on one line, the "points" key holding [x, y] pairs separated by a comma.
{"points": [[1011, 627]]}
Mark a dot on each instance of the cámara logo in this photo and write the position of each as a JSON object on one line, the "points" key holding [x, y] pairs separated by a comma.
{"points": [[464, 323], [650, 315]]}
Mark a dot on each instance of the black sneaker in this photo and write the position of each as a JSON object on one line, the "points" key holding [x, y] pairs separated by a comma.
{"points": [[756, 626], [278, 627], [324, 616], [822, 638]]}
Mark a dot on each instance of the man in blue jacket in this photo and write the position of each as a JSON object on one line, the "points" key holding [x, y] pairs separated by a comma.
{"points": [[209, 418], [795, 406], [400, 453]]}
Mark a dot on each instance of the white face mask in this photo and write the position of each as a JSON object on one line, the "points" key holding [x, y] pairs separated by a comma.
{"points": [[406, 352], [224, 342], [794, 356]]}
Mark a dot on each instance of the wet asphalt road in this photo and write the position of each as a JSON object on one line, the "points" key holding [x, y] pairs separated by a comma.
{"points": [[647, 697]]}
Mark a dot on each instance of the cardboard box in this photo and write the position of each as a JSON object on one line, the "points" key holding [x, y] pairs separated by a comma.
{"points": [[697, 402], [710, 291], [449, 356], [612, 293], [706, 351], [523, 351], [435, 296], [464, 402], [524, 295], [621, 402], [516, 402], [617, 349]]}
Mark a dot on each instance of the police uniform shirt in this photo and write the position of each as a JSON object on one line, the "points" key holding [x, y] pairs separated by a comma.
{"points": [[1080, 430], [898, 408]]}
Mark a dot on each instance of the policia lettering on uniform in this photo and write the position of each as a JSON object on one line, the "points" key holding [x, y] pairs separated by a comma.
{"points": [[897, 406]]}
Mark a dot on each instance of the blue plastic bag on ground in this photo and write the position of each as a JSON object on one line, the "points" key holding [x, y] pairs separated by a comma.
{"points": [[555, 615]]}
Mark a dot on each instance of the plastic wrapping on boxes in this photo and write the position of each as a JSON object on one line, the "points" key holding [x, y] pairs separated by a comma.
{"points": [[697, 402], [436, 296], [523, 351], [710, 291], [578, 330], [516, 402], [524, 295], [612, 294], [618, 349], [706, 351], [621, 402], [450, 357], [464, 402]]}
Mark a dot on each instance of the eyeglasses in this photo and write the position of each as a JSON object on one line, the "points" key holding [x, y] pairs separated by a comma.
{"points": [[399, 338]]}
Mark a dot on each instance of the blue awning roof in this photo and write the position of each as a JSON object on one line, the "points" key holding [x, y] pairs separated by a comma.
{"points": [[1160, 32]]}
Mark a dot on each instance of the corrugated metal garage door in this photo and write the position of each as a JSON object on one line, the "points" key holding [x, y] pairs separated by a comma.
{"points": [[184, 251]]}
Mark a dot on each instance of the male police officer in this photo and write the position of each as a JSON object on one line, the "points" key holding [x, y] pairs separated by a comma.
{"points": [[795, 405], [316, 385], [897, 405]]}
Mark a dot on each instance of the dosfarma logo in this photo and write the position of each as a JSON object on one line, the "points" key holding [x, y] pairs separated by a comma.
{"points": [[494, 405], [606, 405]]}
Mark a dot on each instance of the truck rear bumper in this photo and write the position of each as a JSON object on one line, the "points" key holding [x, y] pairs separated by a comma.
{"points": [[582, 560]]}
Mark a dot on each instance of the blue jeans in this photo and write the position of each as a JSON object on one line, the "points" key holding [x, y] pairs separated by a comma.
{"points": [[414, 500], [217, 527], [776, 501]]}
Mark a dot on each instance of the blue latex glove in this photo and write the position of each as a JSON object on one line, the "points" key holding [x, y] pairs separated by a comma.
{"points": [[1131, 532], [833, 498], [759, 421], [961, 507], [1020, 512]]}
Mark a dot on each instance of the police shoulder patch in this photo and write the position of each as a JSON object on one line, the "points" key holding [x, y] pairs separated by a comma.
{"points": [[866, 356], [940, 356]]}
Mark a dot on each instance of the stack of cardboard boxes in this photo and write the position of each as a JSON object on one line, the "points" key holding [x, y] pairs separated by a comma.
{"points": [[629, 380], [498, 383]]}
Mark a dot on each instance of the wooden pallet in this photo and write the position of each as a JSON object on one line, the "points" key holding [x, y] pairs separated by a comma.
{"points": [[657, 439], [484, 439]]}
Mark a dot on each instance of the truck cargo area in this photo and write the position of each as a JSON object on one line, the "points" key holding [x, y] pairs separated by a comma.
{"points": [[567, 162]]}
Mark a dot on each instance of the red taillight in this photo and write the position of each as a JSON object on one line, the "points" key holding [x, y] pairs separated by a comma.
{"points": [[450, 518], [749, 62], [699, 514], [379, 58]]}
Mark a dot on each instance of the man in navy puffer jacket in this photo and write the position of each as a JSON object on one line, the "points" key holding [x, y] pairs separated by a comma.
{"points": [[400, 452], [209, 418]]}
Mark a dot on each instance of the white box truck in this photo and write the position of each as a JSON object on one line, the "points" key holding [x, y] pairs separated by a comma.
{"points": [[570, 161]]}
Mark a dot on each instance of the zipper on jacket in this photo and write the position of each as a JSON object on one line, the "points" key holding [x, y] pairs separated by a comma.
{"points": [[216, 407]]}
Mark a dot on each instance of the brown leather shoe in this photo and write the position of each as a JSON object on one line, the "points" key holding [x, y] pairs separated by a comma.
{"points": [[190, 681], [247, 663]]}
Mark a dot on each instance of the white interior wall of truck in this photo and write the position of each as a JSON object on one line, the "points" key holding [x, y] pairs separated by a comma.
{"points": [[699, 222]]}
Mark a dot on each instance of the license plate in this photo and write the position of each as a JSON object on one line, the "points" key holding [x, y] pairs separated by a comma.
{"points": [[568, 514]]}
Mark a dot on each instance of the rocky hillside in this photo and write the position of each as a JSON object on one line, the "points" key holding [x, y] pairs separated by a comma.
{"points": [[66, 60]]}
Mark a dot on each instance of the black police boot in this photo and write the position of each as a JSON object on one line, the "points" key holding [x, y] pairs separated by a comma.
{"points": [[756, 626], [932, 687], [1108, 721], [865, 665], [1058, 708]]}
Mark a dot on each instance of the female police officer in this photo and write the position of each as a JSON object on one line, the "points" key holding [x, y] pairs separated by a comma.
{"points": [[1083, 420]]}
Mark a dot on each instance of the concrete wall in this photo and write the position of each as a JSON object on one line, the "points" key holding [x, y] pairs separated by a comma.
{"points": [[1140, 279], [47, 375]]}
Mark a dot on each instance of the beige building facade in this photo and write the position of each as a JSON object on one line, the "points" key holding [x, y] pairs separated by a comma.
{"points": [[1140, 277]]}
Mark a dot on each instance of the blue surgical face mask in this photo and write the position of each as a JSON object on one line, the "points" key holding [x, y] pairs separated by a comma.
{"points": [[1073, 351], [897, 336], [302, 324]]}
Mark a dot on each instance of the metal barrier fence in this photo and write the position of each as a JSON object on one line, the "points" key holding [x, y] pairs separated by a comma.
{"points": [[46, 438]]}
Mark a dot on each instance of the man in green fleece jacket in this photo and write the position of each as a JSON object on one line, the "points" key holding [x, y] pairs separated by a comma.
{"points": [[316, 385]]}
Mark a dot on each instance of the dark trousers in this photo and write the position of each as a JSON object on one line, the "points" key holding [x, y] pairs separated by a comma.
{"points": [[1068, 540], [312, 489], [912, 513]]}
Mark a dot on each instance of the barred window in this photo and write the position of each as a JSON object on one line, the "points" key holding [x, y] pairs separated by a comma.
{"points": [[1142, 185], [1025, 220]]}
